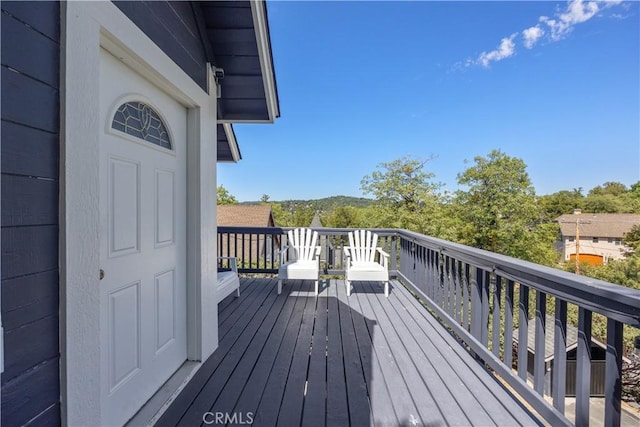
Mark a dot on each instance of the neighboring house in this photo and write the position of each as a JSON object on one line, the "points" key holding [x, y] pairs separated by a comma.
{"points": [[599, 235], [250, 248], [109, 110], [598, 355]]}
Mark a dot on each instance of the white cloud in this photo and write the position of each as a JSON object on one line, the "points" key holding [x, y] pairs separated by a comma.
{"points": [[506, 49], [532, 35], [577, 12], [558, 27]]}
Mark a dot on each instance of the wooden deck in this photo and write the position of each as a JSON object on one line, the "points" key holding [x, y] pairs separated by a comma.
{"points": [[295, 359]]}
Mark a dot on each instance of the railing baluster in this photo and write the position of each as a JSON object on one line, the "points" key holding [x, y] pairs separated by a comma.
{"points": [[496, 318], [458, 292], [446, 291], [523, 331], [540, 347], [484, 287], [613, 374], [476, 305], [558, 386], [394, 264], [583, 368], [508, 325], [466, 298]]}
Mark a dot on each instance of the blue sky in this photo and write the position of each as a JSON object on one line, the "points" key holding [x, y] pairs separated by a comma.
{"points": [[556, 84]]}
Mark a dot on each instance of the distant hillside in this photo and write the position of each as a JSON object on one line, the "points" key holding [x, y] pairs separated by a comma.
{"points": [[323, 205]]}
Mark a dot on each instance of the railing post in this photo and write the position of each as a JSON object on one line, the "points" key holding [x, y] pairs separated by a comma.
{"points": [[523, 331], [465, 297], [496, 318], [484, 288], [476, 305], [508, 325], [613, 374], [559, 384], [583, 368], [394, 264], [540, 347]]}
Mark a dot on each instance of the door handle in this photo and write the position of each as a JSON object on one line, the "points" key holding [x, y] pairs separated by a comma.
{"points": [[101, 274]]}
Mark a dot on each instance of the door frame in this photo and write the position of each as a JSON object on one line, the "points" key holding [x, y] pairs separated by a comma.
{"points": [[86, 27]]}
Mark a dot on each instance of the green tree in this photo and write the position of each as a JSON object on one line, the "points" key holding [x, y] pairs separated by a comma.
{"points": [[344, 217], [499, 210], [224, 197], [610, 187], [264, 199], [562, 202], [632, 238], [603, 203], [406, 197]]}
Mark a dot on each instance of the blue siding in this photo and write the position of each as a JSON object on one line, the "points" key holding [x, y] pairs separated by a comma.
{"points": [[29, 217], [173, 27]]}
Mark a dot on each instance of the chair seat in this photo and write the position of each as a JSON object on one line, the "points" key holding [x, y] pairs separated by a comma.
{"points": [[366, 266], [299, 270], [367, 271]]}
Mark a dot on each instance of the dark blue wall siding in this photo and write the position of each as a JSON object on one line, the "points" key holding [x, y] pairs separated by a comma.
{"points": [[173, 27], [29, 216]]}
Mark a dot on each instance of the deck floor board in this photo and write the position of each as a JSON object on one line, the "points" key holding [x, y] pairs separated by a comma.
{"points": [[298, 359]]}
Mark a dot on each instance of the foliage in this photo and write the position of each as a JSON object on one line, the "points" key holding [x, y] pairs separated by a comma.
{"points": [[609, 188], [320, 205], [343, 217], [224, 197], [499, 210], [406, 197], [293, 215], [621, 272], [632, 238], [560, 203]]}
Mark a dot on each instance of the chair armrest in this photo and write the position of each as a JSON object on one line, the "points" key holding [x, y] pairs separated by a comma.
{"points": [[316, 254], [233, 262], [281, 254], [347, 255], [384, 257]]}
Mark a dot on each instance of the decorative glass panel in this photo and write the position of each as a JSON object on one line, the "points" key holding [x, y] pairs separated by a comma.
{"points": [[140, 120]]}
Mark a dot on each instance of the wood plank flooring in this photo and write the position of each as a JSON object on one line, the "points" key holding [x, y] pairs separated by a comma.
{"points": [[297, 359]]}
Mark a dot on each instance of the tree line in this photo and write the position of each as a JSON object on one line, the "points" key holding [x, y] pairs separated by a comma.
{"points": [[496, 208]]}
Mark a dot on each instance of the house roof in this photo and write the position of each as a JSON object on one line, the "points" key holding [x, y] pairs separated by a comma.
{"points": [[572, 337], [245, 215], [597, 225]]}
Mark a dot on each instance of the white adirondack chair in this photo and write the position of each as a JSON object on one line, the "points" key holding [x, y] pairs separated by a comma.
{"points": [[361, 262], [303, 260]]}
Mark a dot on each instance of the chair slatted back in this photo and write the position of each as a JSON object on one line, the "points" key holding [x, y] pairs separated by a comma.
{"points": [[363, 245], [303, 243]]}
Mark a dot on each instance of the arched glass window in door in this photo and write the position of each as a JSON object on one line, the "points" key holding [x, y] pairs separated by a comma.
{"points": [[141, 121]]}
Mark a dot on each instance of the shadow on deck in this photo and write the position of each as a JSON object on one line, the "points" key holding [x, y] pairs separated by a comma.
{"points": [[295, 359]]}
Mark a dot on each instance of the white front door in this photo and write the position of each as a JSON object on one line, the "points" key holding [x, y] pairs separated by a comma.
{"points": [[142, 239]]}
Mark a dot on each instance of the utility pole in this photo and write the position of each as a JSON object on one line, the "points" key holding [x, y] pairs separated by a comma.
{"points": [[577, 222], [577, 245]]}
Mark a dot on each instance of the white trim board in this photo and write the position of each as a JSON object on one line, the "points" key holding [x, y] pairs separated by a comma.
{"points": [[86, 27]]}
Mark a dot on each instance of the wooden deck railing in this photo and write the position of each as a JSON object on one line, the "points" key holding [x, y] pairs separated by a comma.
{"points": [[481, 297]]}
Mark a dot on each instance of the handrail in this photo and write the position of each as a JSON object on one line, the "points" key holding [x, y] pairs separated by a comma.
{"points": [[614, 301], [473, 292]]}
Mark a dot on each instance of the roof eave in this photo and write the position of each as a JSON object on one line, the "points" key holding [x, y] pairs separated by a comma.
{"points": [[263, 40], [233, 144]]}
